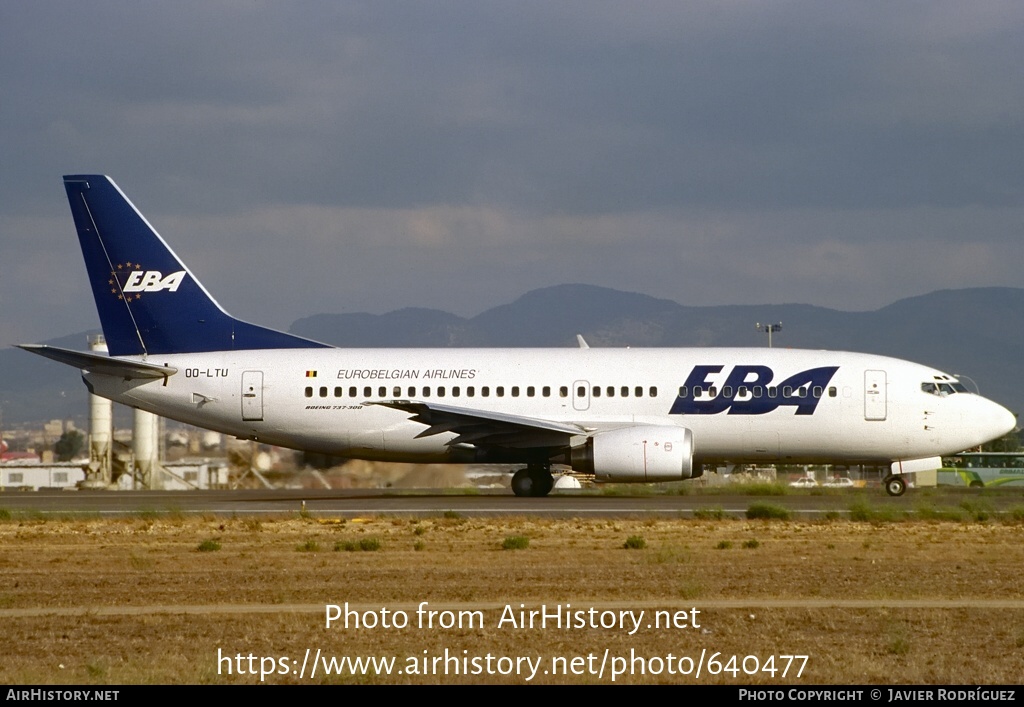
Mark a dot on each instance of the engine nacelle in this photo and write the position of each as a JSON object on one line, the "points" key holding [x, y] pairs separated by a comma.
{"points": [[644, 453]]}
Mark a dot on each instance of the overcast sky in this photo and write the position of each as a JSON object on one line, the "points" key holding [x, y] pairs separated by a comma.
{"points": [[307, 157]]}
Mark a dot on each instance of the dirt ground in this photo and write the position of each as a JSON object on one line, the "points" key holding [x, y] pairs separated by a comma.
{"points": [[173, 599]]}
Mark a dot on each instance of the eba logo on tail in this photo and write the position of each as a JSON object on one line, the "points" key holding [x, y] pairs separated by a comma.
{"points": [[128, 279]]}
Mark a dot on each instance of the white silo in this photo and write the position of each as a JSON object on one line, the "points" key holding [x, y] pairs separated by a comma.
{"points": [[101, 431]]}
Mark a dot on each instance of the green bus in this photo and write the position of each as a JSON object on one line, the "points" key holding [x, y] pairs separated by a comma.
{"points": [[981, 469]]}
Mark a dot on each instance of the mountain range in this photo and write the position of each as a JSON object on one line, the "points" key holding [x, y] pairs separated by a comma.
{"points": [[975, 333]]}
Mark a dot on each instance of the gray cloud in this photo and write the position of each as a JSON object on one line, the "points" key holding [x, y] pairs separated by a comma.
{"points": [[457, 154]]}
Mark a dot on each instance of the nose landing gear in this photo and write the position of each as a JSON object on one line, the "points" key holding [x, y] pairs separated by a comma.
{"points": [[894, 485]]}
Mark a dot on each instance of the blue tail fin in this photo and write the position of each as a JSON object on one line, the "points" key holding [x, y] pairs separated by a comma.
{"points": [[148, 301]]}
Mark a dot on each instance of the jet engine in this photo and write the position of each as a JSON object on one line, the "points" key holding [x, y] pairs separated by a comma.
{"points": [[643, 453]]}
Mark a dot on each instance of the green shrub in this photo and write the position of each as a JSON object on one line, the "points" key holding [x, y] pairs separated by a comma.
{"points": [[767, 511], [369, 544], [515, 542], [861, 511], [635, 542], [709, 514], [209, 546], [361, 545], [766, 489]]}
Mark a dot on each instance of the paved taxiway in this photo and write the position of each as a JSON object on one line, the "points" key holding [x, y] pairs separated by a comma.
{"points": [[360, 502]]}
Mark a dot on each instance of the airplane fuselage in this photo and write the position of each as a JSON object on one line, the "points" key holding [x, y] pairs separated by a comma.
{"points": [[836, 407]]}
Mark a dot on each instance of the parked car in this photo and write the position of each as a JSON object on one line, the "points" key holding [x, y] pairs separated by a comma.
{"points": [[805, 482], [840, 482]]}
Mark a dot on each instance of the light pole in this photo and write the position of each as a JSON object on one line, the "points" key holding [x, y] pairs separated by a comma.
{"points": [[769, 329]]}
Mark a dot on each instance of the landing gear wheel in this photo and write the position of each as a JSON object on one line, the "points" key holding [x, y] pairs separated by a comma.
{"points": [[543, 482], [534, 482], [522, 483], [894, 485]]}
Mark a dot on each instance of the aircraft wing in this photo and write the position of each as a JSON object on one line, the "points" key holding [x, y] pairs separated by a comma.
{"points": [[104, 365], [482, 428]]}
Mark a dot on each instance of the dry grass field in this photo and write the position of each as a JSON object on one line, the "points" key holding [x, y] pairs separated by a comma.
{"points": [[174, 599]]}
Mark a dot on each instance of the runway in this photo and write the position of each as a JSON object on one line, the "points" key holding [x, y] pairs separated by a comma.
{"points": [[354, 503]]}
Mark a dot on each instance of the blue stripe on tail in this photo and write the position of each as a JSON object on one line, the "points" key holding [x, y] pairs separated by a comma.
{"points": [[148, 301]]}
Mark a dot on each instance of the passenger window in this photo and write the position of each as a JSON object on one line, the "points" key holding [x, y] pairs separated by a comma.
{"points": [[515, 391], [698, 391], [682, 391], [456, 391], [563, 391], [773, 392], [440, 391], [486, 391], [741, 392], [757, 391], [397, 391], [412, 391], [353, 392], [712, 391], [470, 391], [323, 391], [382, 391], [727, 391], [546, 391], [530, 391], [611, 391], [581, 392], [500, 391], [787, 392], [638, 391], [309, 392], [832, 392], [654, 392], [337, 392], [367, 391], [426, 391], [596, 392], [818, 390]]}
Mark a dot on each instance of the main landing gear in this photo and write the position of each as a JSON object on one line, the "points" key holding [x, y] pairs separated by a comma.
{"points": [[894, 485], [533, 481]]}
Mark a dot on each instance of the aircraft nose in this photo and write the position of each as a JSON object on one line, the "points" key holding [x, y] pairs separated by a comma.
{"points": [[1000, 420]]}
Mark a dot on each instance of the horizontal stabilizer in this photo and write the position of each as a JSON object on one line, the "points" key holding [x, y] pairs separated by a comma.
{"points": [[104, 365]]}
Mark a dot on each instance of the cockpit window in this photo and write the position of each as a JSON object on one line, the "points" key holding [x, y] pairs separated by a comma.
{"points": [[944, 388]]}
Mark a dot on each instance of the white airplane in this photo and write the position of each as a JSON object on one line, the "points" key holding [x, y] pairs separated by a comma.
{"points": [[626, 415]]}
